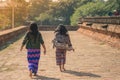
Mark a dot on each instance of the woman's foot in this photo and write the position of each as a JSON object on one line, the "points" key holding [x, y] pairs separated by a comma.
{"points": [[61, 70], [35, 74], [64, 69], [30, 74]]}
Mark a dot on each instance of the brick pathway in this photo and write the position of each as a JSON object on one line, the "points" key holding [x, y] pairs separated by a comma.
{"points": [[91, 60]]}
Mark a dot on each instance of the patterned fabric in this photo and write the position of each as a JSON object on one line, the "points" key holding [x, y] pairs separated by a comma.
{"points": [[60, 56], [33, 56], [61, 41]]}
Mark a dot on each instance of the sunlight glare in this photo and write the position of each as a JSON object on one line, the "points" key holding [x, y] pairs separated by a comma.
{"points": [[105, 0], [54, 0], [3, 0]]}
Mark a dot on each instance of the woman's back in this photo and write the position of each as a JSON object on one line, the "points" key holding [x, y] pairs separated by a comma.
{"points": [[34, 42]]}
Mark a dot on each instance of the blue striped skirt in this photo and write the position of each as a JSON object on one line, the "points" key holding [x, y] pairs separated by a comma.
{"points": [[33, 56]]}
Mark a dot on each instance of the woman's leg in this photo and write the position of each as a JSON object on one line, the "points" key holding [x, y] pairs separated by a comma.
{"points": [[64, 61], [60, 68], [63, 68], [30, 74], [58, 58]]}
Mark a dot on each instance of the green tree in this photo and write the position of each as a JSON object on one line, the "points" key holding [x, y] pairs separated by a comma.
{"points": [[4, 23], [37, 7], [20, 11], [43, 19], [90, 9]]}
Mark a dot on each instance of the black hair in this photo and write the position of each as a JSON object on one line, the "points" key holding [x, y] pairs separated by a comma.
{"points": [[34, 30], [61, 29]]}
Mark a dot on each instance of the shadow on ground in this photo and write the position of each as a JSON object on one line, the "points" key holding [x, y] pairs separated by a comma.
{"points": [[44, 78], [81, 73]]}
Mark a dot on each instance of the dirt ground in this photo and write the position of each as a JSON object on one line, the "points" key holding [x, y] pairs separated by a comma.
{"points": [[92, 60]]}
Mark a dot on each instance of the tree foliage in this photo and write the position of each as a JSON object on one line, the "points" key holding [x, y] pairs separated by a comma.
{"points": [[37, 7], [20, 13], [4, 22], [95, 8], [47, 12]]}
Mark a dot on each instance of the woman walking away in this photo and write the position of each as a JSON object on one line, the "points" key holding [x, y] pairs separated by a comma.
{"points": [[62, 43], [33, 40]]}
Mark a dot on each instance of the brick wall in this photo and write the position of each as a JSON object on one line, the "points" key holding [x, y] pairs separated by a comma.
{"points": [[7, 35], [110, 35], [53, 27], [106, 29]]}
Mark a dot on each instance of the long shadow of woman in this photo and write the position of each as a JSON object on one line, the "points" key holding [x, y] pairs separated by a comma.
{"points": [[81, 73], [44, 78]]}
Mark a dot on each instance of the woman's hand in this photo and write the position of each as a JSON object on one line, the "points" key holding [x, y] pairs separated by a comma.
{"points": [[44, 52], [21, 48], [73, 49], [43, 45]]}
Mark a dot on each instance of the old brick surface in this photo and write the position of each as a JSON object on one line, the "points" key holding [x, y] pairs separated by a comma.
{"points": [[7, 35], [108, 37], [111, 27], [91, 60]]}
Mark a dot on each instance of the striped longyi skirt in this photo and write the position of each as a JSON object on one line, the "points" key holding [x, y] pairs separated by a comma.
{"points": [[33, 56], [60, 56]]}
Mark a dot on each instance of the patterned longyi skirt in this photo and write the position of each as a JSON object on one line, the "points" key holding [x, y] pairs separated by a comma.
{"points": [[33, 56], [60, 56]]}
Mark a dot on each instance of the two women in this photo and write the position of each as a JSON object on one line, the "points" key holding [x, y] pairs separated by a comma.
{"points": [[33, 40]]}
